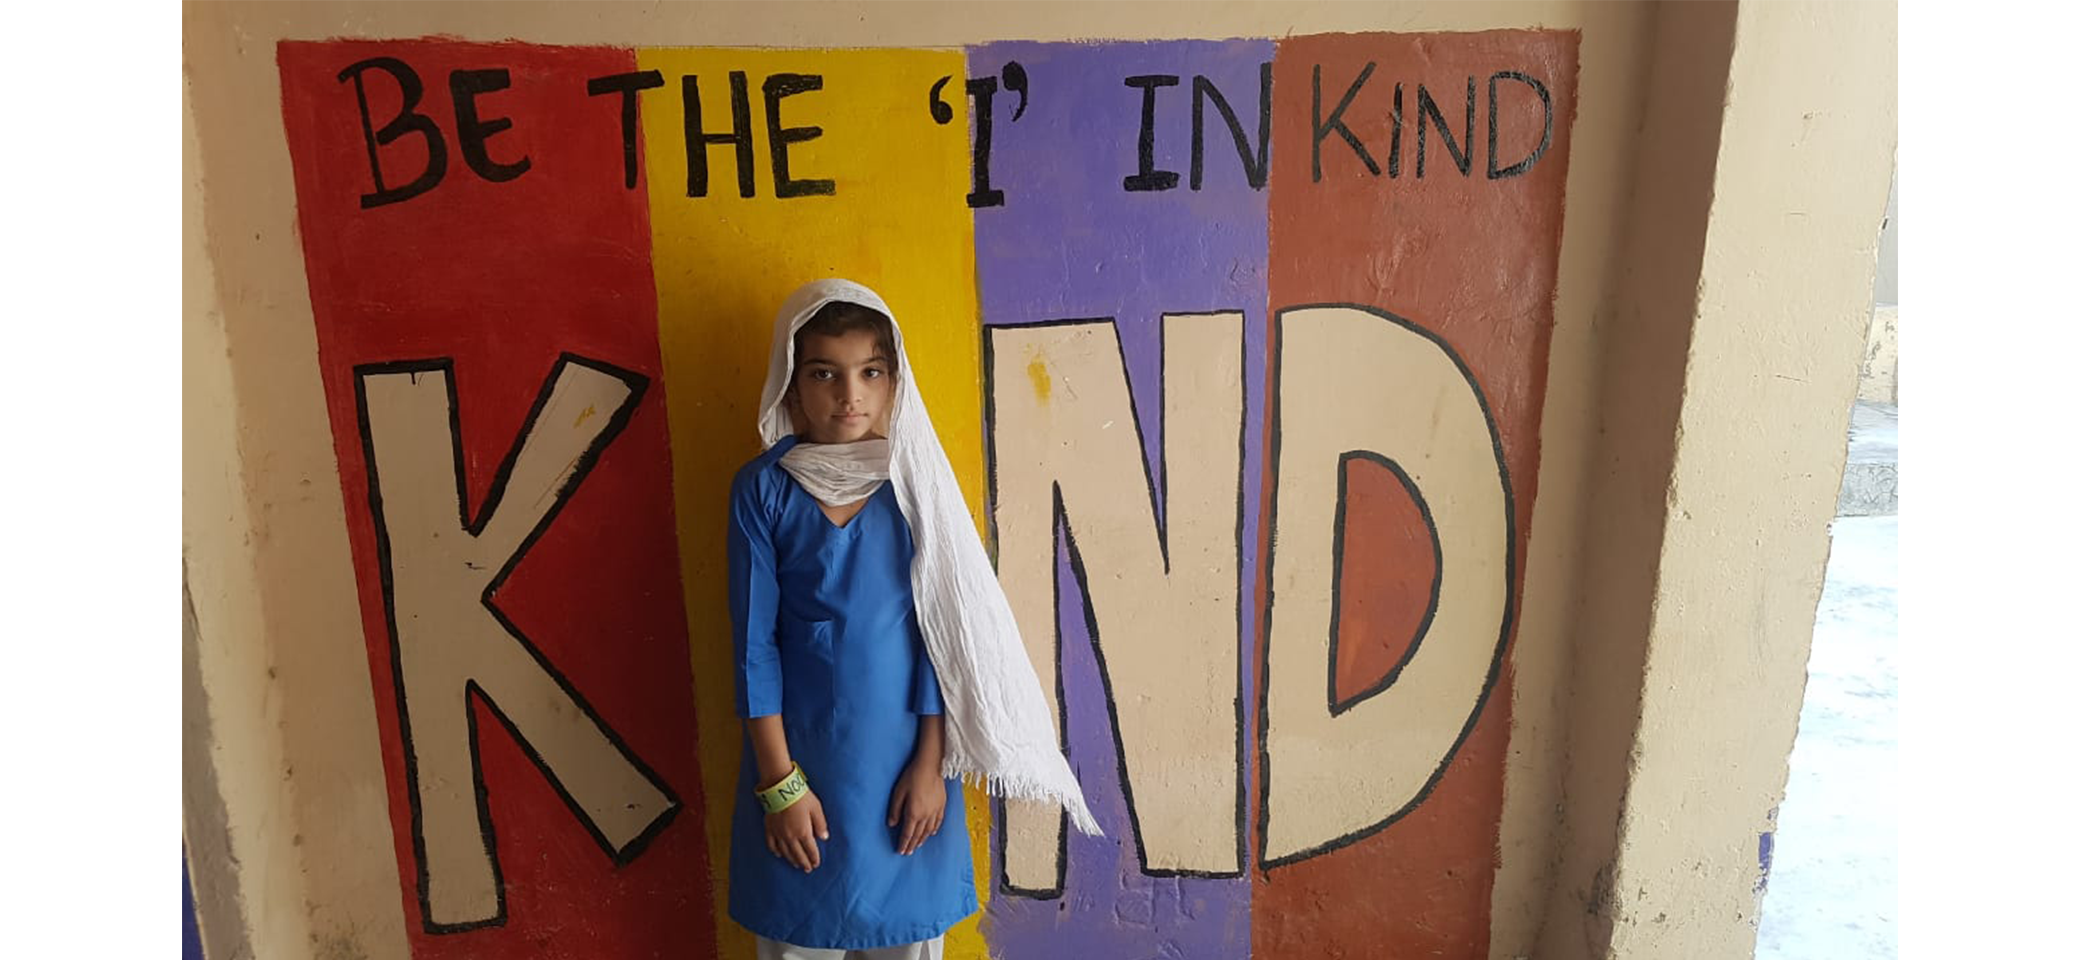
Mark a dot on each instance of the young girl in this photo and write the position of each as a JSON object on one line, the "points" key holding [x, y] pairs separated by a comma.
{"points": [[877, 662]]}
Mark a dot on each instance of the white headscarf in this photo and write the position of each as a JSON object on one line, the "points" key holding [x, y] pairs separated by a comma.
{"points": [[998, 729]]}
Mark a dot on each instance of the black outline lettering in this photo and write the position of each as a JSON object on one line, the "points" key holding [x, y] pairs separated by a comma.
{"points": [[472, 133], [628, 85], [1147, 178], [983, 91], [1257, 168], [777, 87], [1426, 110], [408, 120], [1321, 132], [1394, 146], [1545, 139], [1016, 81], [698, 139]]}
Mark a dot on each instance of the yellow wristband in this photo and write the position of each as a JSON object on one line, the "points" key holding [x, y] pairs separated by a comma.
{"points": [[782, 795]]}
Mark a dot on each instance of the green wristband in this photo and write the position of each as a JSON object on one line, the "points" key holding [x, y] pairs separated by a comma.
{"points": [[782, 795]]}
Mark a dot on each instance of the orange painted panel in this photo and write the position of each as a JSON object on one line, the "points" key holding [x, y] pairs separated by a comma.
{"points": [[1421, 176]]}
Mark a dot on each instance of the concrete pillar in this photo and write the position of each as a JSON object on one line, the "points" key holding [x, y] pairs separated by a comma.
{"points": [[1754, 252], [288, 832]]}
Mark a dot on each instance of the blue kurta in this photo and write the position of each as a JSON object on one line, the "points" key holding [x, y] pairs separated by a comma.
{"points": [[826, 635]]}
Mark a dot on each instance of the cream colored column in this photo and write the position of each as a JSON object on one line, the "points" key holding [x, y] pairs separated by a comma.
{"points": [[1782, 296], [294, 854]]}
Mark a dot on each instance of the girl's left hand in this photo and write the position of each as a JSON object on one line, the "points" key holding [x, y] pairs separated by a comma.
{"points": [[918, 806]]}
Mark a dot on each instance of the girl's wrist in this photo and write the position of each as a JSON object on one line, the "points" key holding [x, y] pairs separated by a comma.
{"points": [[768, 779], [783, 795], [931, 741]]}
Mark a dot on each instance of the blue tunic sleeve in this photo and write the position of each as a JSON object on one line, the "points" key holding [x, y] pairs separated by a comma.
{"points": [[754, 601], [924, 686]]}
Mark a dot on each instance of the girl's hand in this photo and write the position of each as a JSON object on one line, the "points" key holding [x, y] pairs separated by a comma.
{"points": [[792, 833], [918, 806]]}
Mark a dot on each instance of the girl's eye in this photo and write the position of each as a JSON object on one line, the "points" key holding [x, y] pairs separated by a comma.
{"points": [[819, 374], [872, 374]]}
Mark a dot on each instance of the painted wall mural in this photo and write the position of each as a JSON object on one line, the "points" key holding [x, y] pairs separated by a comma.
{"points": [[1238, 349]]}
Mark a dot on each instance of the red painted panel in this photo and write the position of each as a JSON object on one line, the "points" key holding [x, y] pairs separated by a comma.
{"points": [[1472, 258], [502, 276], [1388, 576]]}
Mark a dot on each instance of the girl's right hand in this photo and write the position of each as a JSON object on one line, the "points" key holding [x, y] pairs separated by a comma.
{"points": [[792, 833]]}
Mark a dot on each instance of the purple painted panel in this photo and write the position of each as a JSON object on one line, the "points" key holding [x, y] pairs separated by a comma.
{"points": [[1070, 241], [191, 933]]}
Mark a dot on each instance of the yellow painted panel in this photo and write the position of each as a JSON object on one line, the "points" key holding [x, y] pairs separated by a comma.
{"points": [[896, 221]]}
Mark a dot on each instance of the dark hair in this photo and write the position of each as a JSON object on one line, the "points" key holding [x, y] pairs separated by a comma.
{"points": [[839, 317]]}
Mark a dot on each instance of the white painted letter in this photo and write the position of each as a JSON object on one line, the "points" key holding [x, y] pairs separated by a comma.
{"points": [[1351, 379], [1065, 442], [448, 641]]}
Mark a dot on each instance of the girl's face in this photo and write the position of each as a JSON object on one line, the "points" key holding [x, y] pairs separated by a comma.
{"points": [[841, 390]]}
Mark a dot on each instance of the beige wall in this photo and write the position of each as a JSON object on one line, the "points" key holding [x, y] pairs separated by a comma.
{"points": [[1601, 789]]}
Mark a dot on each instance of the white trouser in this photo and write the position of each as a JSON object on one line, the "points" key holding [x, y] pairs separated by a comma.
{"points": [[931, 949]]}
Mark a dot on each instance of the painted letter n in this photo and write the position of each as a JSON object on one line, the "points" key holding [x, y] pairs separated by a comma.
{"points": [[1161, 579]]}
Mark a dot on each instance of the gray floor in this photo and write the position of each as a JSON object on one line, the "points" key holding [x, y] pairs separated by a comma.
{"points": [[1833, 888], [1870, 478]]}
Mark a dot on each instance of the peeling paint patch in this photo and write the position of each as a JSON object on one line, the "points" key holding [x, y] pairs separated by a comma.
{"points": [[1764, 850]]}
